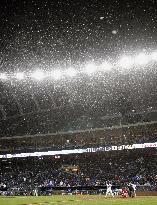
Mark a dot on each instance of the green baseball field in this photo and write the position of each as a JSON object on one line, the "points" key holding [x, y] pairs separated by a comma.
{"points": [[77, 200]]}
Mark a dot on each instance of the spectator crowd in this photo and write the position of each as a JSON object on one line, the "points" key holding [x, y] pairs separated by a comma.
{"points": [[85, 170]]}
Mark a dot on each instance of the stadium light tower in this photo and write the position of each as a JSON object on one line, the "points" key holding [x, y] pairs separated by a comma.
{"points": [[38, 75], [70, 72], [141, 59], [3, 76], [90, 68], [154, 56], [105, 66], [19, 76], [125, 62], [56, 74]]}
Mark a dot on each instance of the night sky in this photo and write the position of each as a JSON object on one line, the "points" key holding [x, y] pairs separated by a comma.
{"points": [[44, 33]]}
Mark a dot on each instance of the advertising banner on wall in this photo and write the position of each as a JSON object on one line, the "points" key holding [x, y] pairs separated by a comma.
{"points": [[80, 151]]}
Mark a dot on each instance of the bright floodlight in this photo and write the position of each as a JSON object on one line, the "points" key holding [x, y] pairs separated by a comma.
{"points": [[141, 59], [3, 76], [154, 56], [105, 66], [38, 75], [70, 72], [19, 76], [56, 74], [125, 62], [90, 68]]}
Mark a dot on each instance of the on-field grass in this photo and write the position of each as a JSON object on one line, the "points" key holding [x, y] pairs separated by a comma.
{"points": [[77, 200]]}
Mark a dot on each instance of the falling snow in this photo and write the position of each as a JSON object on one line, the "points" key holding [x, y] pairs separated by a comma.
{"points": [[50, 53], [77, 75], [114, 32]]}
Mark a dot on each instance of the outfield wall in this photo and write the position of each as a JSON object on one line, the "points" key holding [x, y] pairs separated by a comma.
{"points": [[146, 193]]}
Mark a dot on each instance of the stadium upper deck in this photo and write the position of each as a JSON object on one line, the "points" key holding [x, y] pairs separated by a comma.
{"points": [[118, 135]]}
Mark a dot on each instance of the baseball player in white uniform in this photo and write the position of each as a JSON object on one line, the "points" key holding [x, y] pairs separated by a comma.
{"points": [[109, 189]]}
